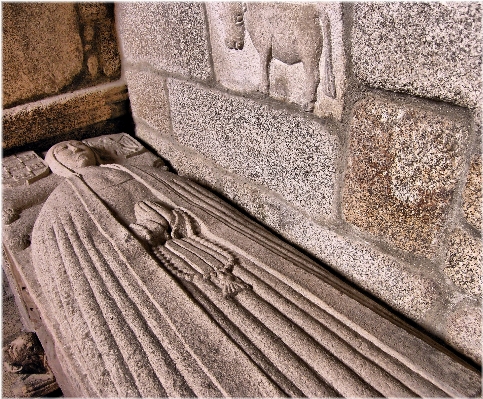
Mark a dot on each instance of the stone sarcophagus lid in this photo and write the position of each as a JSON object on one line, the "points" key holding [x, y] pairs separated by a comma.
{"points": [[141, 283]]}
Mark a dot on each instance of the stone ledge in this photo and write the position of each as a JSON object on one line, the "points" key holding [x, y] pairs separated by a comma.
{"points": [[54, 116]]}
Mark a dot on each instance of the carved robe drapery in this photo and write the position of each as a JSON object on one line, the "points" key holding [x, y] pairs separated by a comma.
{"points": [[135, 325]]}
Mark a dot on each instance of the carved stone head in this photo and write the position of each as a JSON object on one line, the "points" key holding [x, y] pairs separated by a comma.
{"points": [[24, 355], [66, 157]]}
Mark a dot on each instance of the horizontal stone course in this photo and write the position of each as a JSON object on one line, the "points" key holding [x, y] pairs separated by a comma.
{"points": [[405, 161], [54, 116], [426, 49], [169, 36], [285, 152]]}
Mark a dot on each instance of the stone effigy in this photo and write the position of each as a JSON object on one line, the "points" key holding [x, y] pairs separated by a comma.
{"points": [[149, 285]]}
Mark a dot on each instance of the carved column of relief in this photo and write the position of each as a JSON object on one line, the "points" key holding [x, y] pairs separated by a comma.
{"points": [[293, 52]]}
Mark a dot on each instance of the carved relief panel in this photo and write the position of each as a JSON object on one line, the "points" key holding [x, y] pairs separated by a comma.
{"points": [[291, 52]]}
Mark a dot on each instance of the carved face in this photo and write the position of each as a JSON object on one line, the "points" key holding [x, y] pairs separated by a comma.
{"points": [[74, 154], [24, 355]]}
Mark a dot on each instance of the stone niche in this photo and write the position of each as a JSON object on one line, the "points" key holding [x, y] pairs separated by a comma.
{"points": [[142, 283]]}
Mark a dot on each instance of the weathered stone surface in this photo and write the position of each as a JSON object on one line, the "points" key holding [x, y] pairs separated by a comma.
{"points": [[320, 46], [286, 153], [42, 50], [23, 168], [169, 36], [404, 163], [99, 39], [464, 330], [148, 98], [384, 276], [53, 116], [472, 197], [217, 307], [464, 262], [427, 49]]}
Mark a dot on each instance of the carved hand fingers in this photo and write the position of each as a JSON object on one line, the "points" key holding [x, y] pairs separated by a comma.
{"points": [[146, 211], [151, 232]]}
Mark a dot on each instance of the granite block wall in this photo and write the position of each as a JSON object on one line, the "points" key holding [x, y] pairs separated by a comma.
{"points": [[350, 129], [61, 73]]}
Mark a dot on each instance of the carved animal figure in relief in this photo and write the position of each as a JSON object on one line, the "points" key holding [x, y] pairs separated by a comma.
{"points": [[289, 33]]}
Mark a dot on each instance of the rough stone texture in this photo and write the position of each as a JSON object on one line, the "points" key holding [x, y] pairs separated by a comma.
{"points": [[11, 326], [169, 36], [241, 70], [148, 98], [42, 50], [404, 163], [235, 69], [289, 154], [399, 285], [464, 262], [63, 113], [464, 330], [99, 38], [384, 276], [472, 194], [427, 49]]}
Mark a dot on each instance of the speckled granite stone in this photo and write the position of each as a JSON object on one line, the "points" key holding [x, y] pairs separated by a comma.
{"points": [[426, 49], [148, 98], [404, 163], [464, 330], [472, 194], [384, 276], [58, 115], [169, 36], [464, 261], [42, 50], [287, 153]]}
